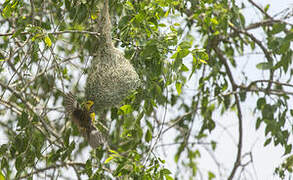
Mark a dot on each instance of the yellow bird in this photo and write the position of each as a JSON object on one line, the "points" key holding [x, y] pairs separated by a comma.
{"points": [[84, 118]]}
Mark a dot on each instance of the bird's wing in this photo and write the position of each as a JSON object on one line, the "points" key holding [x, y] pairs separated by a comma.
{"points": [[70, 103]]}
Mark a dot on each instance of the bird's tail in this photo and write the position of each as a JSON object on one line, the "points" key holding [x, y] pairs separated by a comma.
{"points": [[96, 139]]}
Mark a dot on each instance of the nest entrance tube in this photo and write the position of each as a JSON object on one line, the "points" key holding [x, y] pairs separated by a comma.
{"points": [[111, 76]]}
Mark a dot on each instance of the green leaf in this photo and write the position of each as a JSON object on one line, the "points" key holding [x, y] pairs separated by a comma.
{"points": [[258, 122], [88, 167], [203, 61], [176, 24], [3, 149], [214, 21], [264, 66], [291, 112], [211, 175], [201, 54], [82, 13], [173, 29], [178, 87], [260, 103], [68, 4], [214, 144], [66, 137], [168, 177], [167, 13], [285, 46], [161, 160], [178, 154], [242, 96], [162, 25], [182, 53], [53, 157], [252, 45], [268, 141], [129, 5], [185, 45], [227, 101], [165, 171], [268, 112], [4, 163], [278, 27], [112, 151], [288, 149], [148, 136], [23, 120], [19, 164], [174, 55], [289, 37], [286, 60], [267, 8], [2, 176], [184, 68], [127, 109], [6, 13], [109, 159]]}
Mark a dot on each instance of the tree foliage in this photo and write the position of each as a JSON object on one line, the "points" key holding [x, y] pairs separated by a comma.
{"points": [[187, 56]]}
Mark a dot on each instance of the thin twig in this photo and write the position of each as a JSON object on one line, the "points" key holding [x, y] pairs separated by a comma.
{"points": [[56, 33], [237, 162], [260, 9], [263, 48], [15, 108], [52, 167]]}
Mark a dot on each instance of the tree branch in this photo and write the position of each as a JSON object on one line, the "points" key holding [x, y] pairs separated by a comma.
{"points": [[237, 162], [52, 167], [260, 9], [55, 33], [263, 48]]}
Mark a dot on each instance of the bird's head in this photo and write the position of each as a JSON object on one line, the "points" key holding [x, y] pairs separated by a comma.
{"points": [[88, 104]]}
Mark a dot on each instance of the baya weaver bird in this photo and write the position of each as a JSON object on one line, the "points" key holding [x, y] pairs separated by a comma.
{"points": [[84, 118]]}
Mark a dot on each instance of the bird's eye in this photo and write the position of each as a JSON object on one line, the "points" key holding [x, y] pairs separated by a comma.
{"points": [[89, 103]]}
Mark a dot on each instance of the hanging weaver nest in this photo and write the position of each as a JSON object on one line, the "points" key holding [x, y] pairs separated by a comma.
{"points": [[111, 76]]}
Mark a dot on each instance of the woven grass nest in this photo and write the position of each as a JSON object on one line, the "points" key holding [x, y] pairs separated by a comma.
{"points": [[111, 76]]}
